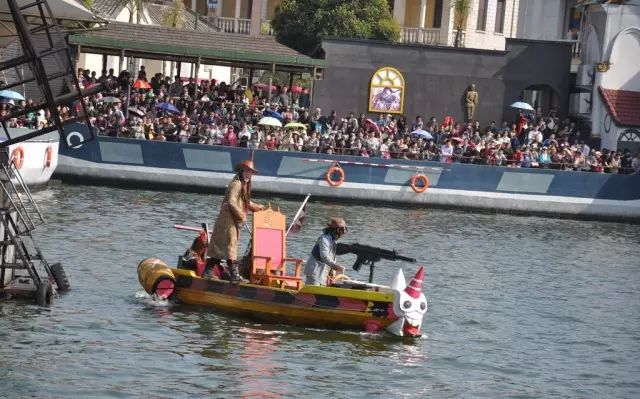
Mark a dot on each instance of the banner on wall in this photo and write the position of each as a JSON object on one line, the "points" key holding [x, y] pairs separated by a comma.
{"points": [[212, 4], [386, 91]]}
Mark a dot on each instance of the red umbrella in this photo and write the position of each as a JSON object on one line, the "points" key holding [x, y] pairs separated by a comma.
{"points": [[141, 84], [264, 86], [296, 89], [373, 125]]}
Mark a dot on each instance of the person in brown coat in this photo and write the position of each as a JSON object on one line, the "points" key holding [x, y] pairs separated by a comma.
{"points": [[233, 214]]}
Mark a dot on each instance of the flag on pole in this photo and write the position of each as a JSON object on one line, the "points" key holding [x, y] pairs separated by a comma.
{"points": [[298, 219]]}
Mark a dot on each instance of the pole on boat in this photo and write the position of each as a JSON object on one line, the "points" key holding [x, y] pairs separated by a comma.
{"points": [[298, 214]]}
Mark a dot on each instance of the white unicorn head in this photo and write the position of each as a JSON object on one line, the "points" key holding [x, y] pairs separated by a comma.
{"points": [[409, 305]]}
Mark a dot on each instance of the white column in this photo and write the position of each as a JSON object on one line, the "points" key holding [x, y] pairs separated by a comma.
{"points": [[423, 12], [263, 10], [256, 18], [236, 25], [399, 9], [219, 9], [193, 5], [446, 26]]}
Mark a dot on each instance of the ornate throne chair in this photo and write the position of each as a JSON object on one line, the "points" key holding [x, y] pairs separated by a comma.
{"points": [[269, 261]]}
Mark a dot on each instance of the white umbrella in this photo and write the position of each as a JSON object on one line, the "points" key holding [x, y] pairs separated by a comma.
{"points": [[269, 121], [12, 95], [522, 105]]}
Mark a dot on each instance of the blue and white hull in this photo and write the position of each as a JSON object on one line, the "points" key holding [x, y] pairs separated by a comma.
{"points": [[196, 167]]}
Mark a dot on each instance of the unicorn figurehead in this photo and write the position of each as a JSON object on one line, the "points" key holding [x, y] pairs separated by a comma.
{"points": [[409, 305]]}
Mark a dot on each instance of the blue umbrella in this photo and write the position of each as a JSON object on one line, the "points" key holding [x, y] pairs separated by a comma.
{"points": [[11, 95], [422, 133], [272, 114], [166, 107]]}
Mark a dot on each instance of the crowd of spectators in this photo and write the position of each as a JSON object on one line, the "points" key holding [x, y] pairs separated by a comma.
{"points": [[208, 112]]}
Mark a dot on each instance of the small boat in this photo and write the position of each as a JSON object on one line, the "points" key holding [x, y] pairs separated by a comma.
{"points": [[275, 294]]}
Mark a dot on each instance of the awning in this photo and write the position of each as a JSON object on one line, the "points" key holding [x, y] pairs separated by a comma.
{"points": [[155, 42], [623, 106]]}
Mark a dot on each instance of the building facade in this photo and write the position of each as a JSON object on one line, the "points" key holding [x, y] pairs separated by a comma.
{"points": [[433, 22], [605, 36], [609, 75]]}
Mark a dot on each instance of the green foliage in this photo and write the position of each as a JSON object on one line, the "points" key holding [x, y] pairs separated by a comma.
{"points": [[301, 24], [282, 79], [461, 9], [88, 3], [174, 17], [135, 6]]}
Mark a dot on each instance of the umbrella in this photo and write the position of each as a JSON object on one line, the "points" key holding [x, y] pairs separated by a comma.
{"points": [[110, 100], [296, 89], [422, 133], [295, 125], [141, 84], [167, 107], [374, 125], [264, 86], [522, 105], [12, 95], [272, 114], [269, 121], [136, 111]]}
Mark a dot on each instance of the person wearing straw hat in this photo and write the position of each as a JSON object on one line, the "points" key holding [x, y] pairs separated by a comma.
{"points": [[233, 214], [323, 255]]}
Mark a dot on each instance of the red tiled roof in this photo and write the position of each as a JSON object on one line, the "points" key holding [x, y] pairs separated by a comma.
{"points": [[623, 105]]}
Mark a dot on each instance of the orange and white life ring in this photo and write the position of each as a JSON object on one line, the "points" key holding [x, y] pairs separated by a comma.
{"points": [[419, 183], [335, 169], [17, 157], [48, 156]]}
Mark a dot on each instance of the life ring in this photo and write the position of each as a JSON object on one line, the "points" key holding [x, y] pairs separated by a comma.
{"points": [[419, 183], [329, 176], [48, 155], [17, 157]]}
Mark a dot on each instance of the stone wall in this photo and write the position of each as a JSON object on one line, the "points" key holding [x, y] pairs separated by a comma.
{"points": [[436, 77]]}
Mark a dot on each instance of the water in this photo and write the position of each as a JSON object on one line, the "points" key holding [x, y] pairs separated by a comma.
{"points": [[518, 307]]}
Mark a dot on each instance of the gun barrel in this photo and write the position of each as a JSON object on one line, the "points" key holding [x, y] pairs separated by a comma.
{"points": [[406, 258]]}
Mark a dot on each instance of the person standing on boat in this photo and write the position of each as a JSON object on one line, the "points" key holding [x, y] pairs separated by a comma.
{"points": [[233, 214], [323, 255]]}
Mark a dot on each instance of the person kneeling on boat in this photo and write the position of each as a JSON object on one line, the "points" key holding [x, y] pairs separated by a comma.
{"points": [[194, 257], [323, 255], [233, 214]]}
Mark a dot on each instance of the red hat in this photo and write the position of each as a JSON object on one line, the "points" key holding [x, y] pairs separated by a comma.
{"points": [[415, 286], [202, 237], [246, 164]]}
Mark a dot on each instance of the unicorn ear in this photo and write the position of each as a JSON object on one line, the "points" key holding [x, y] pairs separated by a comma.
{"points": [[399, 283]]}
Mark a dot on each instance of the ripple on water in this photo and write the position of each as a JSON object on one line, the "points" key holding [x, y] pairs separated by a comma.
{"points": [[521, 307]]}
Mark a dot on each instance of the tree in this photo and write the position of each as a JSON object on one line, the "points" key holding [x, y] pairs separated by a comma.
{"points": [[301, 24], [175, 16], [461, 10], [135, 6]]}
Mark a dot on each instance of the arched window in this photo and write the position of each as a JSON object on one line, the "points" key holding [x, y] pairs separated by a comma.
{"points": [[629, 139], [386, 93]]}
